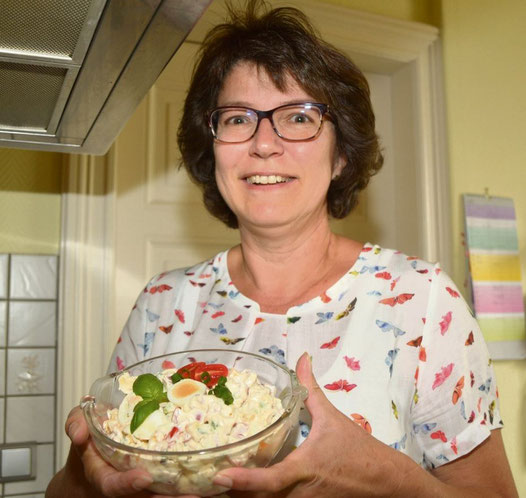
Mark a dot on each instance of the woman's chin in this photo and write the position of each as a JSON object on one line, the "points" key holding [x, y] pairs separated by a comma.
{"points": [[266, 222]]}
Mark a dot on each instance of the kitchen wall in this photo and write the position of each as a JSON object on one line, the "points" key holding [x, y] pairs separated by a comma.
{"points": [[29, 245], [30, 186], [485, 77]]}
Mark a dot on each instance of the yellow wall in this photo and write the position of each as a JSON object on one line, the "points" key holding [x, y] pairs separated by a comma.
{"points": [[426, 11], [485, 79], [30, 185]]}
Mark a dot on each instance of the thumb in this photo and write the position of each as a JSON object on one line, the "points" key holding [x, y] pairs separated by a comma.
{"points": [[316, 402], [271, 479]]}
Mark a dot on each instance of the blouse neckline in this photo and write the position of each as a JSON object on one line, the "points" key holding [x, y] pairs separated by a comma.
{"points": [[334, 291]]}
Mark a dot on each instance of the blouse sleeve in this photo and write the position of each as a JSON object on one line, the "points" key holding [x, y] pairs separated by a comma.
{"points": [[456, 401]]}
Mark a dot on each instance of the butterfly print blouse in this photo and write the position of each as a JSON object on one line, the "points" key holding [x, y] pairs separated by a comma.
{"points": [[393, 344]]}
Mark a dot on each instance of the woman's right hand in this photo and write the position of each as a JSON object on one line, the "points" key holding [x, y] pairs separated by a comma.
{"points": [[102, 476], [86, 473]]}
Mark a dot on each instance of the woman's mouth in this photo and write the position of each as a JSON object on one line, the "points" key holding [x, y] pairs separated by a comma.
{"points": [[267, 179]]}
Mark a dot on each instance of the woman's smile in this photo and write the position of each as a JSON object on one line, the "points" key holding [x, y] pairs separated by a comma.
{"points": [[263, 179]]}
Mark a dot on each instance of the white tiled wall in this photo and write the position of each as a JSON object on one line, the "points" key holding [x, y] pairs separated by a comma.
{"points": [[28, 331], [30, 371], [33, 277], [32, 323], [4, 258], [21, 423]]}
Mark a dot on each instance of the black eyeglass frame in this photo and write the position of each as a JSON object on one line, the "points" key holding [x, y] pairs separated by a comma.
{"points": [[323, 108]]}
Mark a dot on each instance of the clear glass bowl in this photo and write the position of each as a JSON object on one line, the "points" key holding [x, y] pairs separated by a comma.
{"points": [[191, 472]]}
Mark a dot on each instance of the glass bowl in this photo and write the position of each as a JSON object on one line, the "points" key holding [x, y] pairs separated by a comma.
{"points": [[191, 472]]}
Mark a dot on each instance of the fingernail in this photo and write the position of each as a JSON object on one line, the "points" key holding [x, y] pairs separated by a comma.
{"points": [[142, 482], [224, 481], [72, 430]]}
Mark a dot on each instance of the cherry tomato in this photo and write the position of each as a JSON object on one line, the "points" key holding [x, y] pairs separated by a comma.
{"points": [[210, 374], [187, 372]]}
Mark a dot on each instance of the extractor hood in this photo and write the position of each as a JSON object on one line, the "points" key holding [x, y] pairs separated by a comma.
{"points": [[73, 71]]}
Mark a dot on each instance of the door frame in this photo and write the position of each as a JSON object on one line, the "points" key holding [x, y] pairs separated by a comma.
{"points": [[86, 290]]}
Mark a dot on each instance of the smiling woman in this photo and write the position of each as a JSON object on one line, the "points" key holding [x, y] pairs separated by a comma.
{"points": [[293, 54], [243, 169], [397, 368]]}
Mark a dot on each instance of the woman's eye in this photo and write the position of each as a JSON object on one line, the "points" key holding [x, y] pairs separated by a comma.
{"points": [[299, 118], [236, 120]]}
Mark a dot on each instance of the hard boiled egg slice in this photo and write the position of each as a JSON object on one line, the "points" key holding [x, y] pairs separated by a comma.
{"points": [[126, 408], [183, 390], [151, 423], [126, 383]]}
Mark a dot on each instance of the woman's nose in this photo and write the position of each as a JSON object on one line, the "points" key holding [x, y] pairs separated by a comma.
{"points": [[266, 141]]}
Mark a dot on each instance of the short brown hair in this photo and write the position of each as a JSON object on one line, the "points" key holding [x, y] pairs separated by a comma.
{"points": [[283, 42]]}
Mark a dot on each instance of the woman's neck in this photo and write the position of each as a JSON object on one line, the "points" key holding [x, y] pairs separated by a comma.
{"points": [[286, 270]]}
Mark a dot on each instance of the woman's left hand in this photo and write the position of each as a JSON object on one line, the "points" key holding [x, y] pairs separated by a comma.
{"points": [[338, 458]]}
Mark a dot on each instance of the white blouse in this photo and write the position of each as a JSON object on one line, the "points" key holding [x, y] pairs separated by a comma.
{"points": [[393, 344]]}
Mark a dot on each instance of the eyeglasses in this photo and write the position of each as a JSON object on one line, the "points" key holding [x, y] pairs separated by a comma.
{"points": [[234, 124]]}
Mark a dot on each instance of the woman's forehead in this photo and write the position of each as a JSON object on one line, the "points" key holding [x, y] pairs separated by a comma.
{"points": [[247, 81]]}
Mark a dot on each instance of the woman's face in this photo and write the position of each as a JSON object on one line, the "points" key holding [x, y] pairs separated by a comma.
{"points": [[308, 166]]}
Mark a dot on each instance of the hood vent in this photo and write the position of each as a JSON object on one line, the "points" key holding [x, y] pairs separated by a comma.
{"points": [[73, 72]]}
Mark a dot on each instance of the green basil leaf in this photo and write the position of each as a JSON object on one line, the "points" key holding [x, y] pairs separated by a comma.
{"points": [[142, 413], [162, 398], [147, 386], [140, 403]]}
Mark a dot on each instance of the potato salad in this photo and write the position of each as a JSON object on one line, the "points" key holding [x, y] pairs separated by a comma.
{"points": [[195, 407]]}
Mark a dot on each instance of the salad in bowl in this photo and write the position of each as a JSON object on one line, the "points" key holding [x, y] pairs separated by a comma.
{"points": [[185, 416]]}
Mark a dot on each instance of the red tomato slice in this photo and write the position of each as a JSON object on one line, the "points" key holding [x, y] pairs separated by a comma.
{"points": [[187, 372], [210, 374]]}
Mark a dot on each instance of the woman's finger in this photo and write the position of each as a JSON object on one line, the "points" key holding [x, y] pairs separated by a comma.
{"points": [[271, 479], [76, 427], [109, 481], [317, 403]]}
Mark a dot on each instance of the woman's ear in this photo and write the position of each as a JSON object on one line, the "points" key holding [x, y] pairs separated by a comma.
{"points": [[338, 166]]}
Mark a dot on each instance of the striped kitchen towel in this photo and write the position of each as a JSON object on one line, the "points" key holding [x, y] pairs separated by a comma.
{"points": [[495, 271]]}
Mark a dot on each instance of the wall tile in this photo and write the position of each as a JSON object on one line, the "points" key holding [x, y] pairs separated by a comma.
{"points": [[3, 308], [22, 424], [2, 401], [2, 373], [33, 277], [32, 323], [45, 464], [30, 371], [3, 275]]}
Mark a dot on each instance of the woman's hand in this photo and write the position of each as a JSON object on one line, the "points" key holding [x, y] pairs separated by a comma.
{"points": [[86, 474], [338, 458]]}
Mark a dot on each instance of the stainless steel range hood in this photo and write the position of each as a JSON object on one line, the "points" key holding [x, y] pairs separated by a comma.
{"points": [[73, 71]]}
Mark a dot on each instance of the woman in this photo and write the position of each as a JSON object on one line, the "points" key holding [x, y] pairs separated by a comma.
{"points": [[279, 132]]}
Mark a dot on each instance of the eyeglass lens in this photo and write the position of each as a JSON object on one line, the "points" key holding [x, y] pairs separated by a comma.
{"points": [[294, 122]]}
